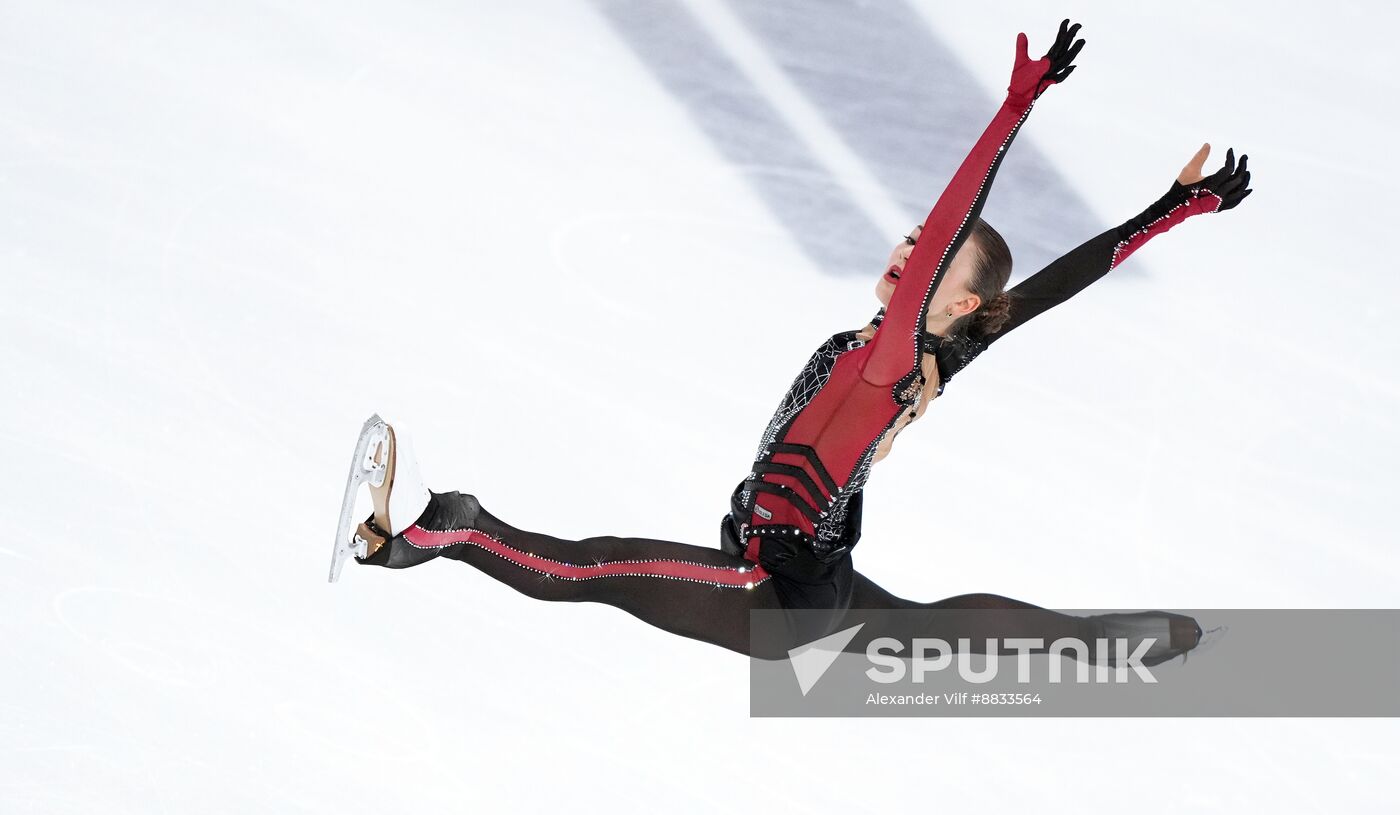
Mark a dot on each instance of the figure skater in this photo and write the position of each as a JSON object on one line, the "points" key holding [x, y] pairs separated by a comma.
{"points": [[786, 541]]}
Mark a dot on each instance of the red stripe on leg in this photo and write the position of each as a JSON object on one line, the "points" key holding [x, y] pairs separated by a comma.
{"points": [[673, 569]]}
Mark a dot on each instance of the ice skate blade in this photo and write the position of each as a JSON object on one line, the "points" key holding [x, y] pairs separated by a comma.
{"points": [[363, 469], [1211, 638]]}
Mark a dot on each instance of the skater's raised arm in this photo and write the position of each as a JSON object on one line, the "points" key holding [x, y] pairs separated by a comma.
{"points": [[1190, 194], [895, 349]]}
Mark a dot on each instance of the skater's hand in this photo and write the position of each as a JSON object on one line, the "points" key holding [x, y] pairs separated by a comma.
{"points": [[1192, 193], [1230, 182], [1030, 78]]}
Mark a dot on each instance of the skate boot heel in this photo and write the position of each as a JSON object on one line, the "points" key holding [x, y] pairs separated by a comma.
{"points": [[383, 460]]}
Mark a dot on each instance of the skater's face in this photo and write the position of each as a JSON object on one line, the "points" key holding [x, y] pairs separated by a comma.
{"points": [[953, 292]]}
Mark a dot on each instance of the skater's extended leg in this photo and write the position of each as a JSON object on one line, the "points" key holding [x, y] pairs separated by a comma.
{"points": [[979, 617], [693, 591], [688, 590], [972, 616]]}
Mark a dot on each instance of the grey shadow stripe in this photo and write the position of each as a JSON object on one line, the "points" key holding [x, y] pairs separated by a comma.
{"points": [[742, 125], [910, 111]]}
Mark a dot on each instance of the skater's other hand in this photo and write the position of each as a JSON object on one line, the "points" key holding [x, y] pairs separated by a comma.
{"points": [[1230, 182], [1030, 78]]}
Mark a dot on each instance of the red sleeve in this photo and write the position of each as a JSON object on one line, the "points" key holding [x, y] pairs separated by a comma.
{"points": [[895, 348]]}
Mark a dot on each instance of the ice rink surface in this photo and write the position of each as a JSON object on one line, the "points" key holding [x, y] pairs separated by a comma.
{"points": [[549, 237]]}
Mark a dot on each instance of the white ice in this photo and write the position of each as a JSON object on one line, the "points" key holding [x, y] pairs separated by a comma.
{"points": [[230, 233]]}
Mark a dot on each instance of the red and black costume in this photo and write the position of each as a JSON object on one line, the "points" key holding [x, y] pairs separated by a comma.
{"points": [[786, 541], [797, 515]]}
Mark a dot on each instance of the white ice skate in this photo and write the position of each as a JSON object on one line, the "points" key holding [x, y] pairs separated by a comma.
{"points": [[383, 459]]}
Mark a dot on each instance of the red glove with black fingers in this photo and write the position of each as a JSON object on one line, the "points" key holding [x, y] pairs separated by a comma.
{"points": [[1030, 78], [1191, 194]]}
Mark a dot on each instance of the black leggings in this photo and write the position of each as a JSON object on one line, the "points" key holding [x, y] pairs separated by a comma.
{"points": [[694, 591]]}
